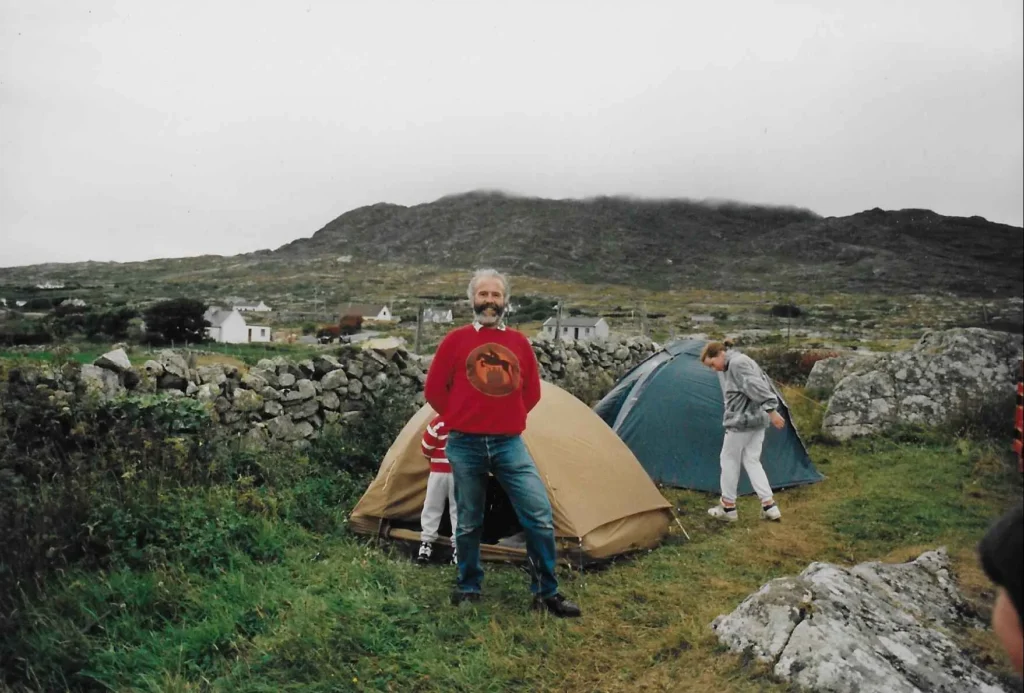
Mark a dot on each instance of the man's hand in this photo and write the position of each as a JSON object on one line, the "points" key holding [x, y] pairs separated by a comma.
{"points": [[777, 420]]}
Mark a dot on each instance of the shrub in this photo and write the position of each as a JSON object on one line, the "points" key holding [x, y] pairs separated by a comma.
{"points": [[360, 444], [983, 417], [177, 320], [74, 474], [789, 366]]}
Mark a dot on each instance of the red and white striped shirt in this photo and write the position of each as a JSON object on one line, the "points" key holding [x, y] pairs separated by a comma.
{"points": [[434, 439]]}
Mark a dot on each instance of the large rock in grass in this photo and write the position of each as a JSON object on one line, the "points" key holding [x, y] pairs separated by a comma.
{"points": [[945, 372], [874, 628], [116, 360], [100, 382]]}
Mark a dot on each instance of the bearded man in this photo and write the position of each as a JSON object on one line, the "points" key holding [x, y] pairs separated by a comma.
{"points": [[484, 380]]}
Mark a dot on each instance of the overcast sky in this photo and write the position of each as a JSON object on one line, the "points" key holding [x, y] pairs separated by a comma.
{"points": [[148, 128]]}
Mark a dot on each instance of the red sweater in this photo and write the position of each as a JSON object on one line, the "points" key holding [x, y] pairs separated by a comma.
{"points": [[432, 445], [484, 380]]}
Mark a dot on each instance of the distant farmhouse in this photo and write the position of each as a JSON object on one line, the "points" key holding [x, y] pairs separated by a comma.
{"points": [[578, 327], [702, 319], [247, 307], [229, 327], [369, 312], [50, 285], [441, 316]]}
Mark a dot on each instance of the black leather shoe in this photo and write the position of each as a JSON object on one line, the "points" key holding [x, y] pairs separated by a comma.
{"points": [[558, 605], [460, 597]]}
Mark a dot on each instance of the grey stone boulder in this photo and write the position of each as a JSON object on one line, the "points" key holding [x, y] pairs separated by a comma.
{"points": [[116, 360], [252, 381], [330, 400], [304, 389], [334, 380], [100, 382], [874, 628], [247, 400], [324, 364], [302, 409], [944, 371], [211, 374], [173, 363]]}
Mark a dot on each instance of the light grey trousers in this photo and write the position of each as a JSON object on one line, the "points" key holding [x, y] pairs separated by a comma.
{"points": [[742, 450]]}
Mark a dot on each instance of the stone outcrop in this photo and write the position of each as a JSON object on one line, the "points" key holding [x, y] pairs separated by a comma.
{"points": [[873, 628], [923, 385]]}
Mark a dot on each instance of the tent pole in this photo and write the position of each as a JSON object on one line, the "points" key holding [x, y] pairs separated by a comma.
{"points": [[676, 518]]}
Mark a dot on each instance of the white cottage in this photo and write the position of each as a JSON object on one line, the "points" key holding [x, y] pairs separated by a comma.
{"points": [[437, 315], [245, 307], [369, 312], [582, 328], [229, 327]]}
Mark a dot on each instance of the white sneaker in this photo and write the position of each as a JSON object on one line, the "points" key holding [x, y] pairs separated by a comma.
{"points": [[773, 513], [426, 551], [720, 513]]}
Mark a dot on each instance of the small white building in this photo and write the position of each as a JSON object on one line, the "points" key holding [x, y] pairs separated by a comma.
{"points": [[702, 319], [370, 312], [442, 316], [50, 285], [579, 327], [229, 327], [260, 307]]}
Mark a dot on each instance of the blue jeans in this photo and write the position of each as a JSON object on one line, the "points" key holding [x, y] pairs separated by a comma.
{"points": [[472, 456]]}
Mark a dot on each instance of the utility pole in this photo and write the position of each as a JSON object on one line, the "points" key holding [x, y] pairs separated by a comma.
{"points": [[789, 320], [643, 319], [558, 321], [419, 329]]}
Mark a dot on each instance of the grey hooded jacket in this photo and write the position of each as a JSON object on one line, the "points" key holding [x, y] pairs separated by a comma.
{"points": [[748, 394]]}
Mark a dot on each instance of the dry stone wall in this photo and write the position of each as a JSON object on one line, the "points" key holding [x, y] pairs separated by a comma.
{"points": [[291, 401]]}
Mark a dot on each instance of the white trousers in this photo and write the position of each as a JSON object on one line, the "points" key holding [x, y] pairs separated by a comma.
{"points": [[440, 487], [742, 450]]}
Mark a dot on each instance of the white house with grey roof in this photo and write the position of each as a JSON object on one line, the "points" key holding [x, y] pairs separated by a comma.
{"points": [[579, 327], [229, 327]]}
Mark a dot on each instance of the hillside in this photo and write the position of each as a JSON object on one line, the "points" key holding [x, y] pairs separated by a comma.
{"points": [[679, 243], [636, 244]]}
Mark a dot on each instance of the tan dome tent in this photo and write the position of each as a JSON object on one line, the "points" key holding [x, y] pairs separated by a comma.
{"points": [[604, 503]]}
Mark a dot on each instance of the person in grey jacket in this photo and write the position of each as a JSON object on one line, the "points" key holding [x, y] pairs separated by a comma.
{"points": [[750, 406]]}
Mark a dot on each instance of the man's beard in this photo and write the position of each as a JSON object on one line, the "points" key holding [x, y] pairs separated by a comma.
{"points": [[483, 319]]}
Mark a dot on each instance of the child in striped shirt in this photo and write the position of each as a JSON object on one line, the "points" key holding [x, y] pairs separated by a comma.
{"points": [[440, 486]]}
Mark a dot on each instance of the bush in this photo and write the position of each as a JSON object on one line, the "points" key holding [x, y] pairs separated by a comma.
{"points": [[588, 389], [983, 418], [75, 473], [787, 365], [360, 444], [177, 320]]}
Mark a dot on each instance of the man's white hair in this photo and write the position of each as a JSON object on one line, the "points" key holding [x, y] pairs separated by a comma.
{"points": [[487, 274]]}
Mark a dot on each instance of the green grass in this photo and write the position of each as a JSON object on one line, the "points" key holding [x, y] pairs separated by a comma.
{"points": [[85, 356], [335, 612]]}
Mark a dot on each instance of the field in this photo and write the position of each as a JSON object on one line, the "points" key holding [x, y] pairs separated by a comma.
{"points": [[330, 611]]}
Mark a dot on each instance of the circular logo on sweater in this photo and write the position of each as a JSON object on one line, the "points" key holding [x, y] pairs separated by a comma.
{"points": [[493, 370]]}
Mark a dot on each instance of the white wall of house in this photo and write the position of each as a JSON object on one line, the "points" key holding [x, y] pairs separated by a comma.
{"points": [[599, 330], [437, 315], [232, 331], [259, 333]]}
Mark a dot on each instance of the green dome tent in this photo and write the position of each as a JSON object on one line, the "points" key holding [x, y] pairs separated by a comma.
{"points": [[668, 411]]}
